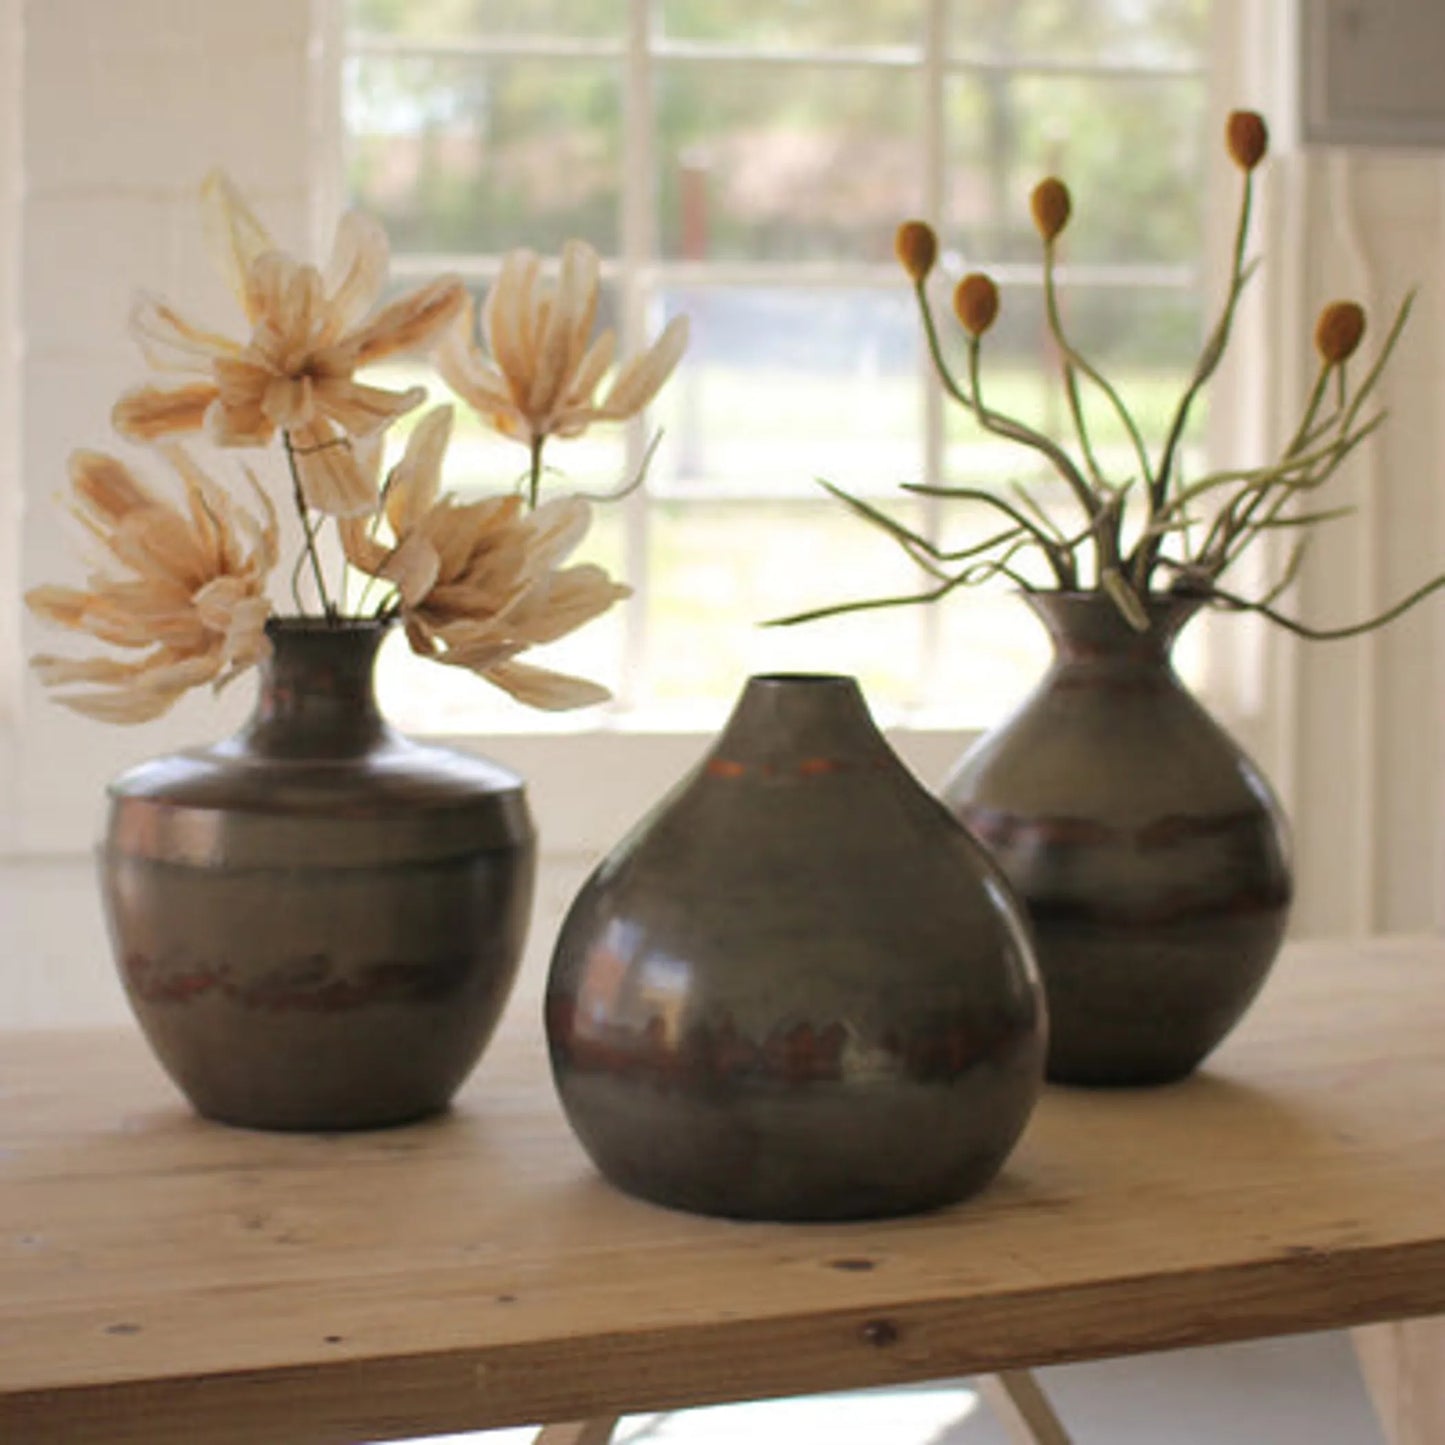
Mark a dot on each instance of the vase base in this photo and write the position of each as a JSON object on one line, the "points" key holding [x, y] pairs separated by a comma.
{"points": [[1114, 1076]]}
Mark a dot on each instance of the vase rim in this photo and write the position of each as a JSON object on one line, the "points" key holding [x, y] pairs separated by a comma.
{"points": [[1098, 594], [301, 624], [806, 679]]}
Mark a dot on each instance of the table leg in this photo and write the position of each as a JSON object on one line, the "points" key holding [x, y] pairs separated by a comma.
{"points": [[1022, 1407], [1014, 1396], [580, 1432], [1404, 1368]]}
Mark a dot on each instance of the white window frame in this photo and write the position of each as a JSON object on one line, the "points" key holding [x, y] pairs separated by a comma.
{"points": [[642, 273], [587, 787]]}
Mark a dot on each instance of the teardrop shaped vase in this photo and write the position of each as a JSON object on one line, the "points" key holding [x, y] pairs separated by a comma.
{"points": [[799, 989]]}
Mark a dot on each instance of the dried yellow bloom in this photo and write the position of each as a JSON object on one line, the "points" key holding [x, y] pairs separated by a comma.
{"points": [[975, 302], [545, 367], [294, 372], [481, 582], [184, 587], [1339, 331], [916, 247], [1051, 205], [1247, 138]]}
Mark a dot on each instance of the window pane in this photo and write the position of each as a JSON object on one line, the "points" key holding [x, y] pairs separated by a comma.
{"points": [[719, 569], [1143, 340], [1130, 151], [781, 387], [458, 154], [785, 163], [1134, 32], [444, 19], [797, 23]]}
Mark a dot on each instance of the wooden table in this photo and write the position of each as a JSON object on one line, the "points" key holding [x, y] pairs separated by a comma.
{"points": [[165, 1280]]}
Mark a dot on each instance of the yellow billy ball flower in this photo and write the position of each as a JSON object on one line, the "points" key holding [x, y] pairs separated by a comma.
{"points": [[1339, 331], [1051, 206], [917, 248], [1247, 137], [975, 302]]}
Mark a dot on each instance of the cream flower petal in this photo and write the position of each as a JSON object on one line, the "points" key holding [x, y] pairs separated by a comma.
{"points": [[159, 542], [236, 425], [289, 402], [572, 597], [582, 257], [356, 271], [149, 412], [504, 319], [362, 549], [415, 481], [456, 351], [593, 366], [171, 343], [412, 323], [238, 417], [413, 566], [234, 237], [62, 606], [137, 692], [574, 299], [642, 378], [105, 486], [267, 282], [216, 602], [556, 528], [361, 410], [330, 478], [540, 688]]}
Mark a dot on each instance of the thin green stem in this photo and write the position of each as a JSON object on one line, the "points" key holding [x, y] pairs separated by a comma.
{"points": [[1323, 634], [1214, 349], [995, 422], [1075, 361], [1057, 556], [304, 513], [1006, 426]]}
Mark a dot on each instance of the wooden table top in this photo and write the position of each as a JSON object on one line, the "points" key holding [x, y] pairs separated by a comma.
{"points": [[166, 1280]]}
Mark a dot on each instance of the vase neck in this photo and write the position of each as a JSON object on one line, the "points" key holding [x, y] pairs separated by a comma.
{"points": [[791, 721], [1088, 630], [317, 697]]}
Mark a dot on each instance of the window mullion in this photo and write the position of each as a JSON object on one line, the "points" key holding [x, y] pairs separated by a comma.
{"points": [[935, 163], [639, 244]]}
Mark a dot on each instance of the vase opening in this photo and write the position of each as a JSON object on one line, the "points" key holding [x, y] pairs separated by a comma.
{"points": [[805, 679]]}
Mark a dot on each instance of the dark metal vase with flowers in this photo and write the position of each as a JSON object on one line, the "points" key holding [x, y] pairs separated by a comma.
{"points": [[1149, 851], [799, 990], [318, 921]]}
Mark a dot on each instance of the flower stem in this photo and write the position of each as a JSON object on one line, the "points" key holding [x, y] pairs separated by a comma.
{"points": [[307, 531], [534, 475]]}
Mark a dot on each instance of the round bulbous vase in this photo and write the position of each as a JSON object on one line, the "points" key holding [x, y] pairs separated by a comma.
{"points": [[1149, 851], [798, 990], [318, 921]]}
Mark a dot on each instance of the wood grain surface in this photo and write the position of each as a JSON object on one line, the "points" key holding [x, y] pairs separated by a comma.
{"points": [[167, 1280]]}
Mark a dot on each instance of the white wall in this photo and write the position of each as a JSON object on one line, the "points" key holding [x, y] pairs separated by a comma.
{"points": [[126, 103]]}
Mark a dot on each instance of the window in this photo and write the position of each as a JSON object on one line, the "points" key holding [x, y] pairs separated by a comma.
{"points": [[747, 163]]}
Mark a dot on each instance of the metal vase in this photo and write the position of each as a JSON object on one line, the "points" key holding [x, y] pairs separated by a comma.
{"points": [[798, 990], [1150, 852], [318, 921]]}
